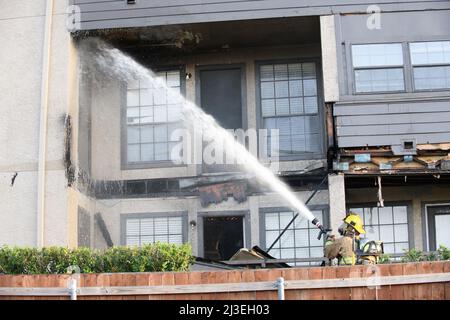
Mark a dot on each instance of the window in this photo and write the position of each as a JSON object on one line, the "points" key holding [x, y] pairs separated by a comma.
{"points": [[378, 67], [299, 241], [388, 224], [152, 114], [289, 102], [431, 65], [139, 231]]}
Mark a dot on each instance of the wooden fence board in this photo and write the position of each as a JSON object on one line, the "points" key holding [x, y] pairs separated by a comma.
{"points": [[343, 293], [447, 285], [426, 280], [195, 278], [410, 291], [437, 289], [424, 291], [329, 273]]}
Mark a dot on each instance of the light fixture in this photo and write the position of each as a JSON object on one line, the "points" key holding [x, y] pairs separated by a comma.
{"points": [[188, 76], [192, 223]]}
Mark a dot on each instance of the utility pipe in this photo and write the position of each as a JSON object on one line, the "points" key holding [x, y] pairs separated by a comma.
{"points": [[73, 289], [280, 288], [40, 241]]}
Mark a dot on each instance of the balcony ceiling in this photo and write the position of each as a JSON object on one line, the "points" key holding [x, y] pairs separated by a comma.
{"points": [[217, 36]]}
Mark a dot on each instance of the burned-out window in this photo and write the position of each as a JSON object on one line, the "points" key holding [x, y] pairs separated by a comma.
{"points": [[389, 224], [140, 231], [431, 65], [152, 114], [289, 101], [299, 240], [378, 67]]}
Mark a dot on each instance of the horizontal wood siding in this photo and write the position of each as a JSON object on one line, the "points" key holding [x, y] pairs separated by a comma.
{"points": [[359, 125], [99, 14]]}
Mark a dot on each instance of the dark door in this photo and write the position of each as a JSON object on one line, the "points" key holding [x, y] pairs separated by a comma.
{"points": [[222, 236], [221, 97], [438, 226]]}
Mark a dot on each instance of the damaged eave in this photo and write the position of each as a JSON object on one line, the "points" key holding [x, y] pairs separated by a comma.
{"points": [[423, 159]]}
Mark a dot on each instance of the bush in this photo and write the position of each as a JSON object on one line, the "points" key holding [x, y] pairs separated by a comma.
{"points": [[57, 260], [413, 255], [384, 259], [444, 253]]}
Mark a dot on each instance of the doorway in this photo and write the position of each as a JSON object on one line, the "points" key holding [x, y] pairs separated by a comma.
{"points": [[223, 236], [438, 226], [220, 92]]}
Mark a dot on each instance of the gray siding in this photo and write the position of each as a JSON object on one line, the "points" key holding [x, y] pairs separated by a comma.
{"points": [[387, 119], [377, 124], [100, 14]]}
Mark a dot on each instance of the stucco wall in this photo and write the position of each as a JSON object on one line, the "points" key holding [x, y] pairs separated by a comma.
{"points": [[22, 24]]}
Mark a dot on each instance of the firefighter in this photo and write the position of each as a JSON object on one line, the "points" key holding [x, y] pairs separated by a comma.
{"points": [[371, 252], [345, 247]]}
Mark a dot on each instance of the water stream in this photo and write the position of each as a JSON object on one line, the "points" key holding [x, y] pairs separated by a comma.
{"points": [[118, 65]]}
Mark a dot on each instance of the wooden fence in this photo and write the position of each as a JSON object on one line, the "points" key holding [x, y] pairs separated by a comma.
{"points": [[425, 280]]}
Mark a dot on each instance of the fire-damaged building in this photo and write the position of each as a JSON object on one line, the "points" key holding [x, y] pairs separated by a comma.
{"points": [[358, 90]]}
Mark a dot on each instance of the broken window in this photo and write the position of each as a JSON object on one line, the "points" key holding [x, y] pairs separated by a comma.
{"points": [[140, 231], [222, 236], [388, 224], [152, 115], [431, 65], [299, 240], [289, 102], [378, 67]]}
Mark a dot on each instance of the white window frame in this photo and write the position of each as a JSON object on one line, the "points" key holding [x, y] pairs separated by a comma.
{"points": [[140, 216], [380, 67], [409, 214], [430, 65], [425, 222], [312, 230], [318, 76], [125, 164]]}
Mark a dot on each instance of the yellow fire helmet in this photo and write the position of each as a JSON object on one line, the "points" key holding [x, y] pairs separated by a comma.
{"points": [[355, 221]]}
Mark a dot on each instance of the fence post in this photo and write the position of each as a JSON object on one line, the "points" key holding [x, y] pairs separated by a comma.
{"points": [[280, 287], [73, 289]]}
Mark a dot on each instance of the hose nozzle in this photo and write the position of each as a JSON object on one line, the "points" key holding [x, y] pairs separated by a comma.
{"points": [[322, 229]]}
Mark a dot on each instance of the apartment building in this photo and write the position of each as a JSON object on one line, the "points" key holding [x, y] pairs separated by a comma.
{"points": [[359, 91]]}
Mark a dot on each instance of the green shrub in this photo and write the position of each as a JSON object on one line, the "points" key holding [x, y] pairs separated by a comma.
{"points": [[444, 253], [57, 260], [413, 255], [384, 258]]}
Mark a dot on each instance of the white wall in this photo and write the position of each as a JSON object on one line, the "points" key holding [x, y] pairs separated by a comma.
{"points": [[22, 24]]}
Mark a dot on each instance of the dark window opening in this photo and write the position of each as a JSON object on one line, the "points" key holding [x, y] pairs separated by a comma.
{"points": [[223, 237]]}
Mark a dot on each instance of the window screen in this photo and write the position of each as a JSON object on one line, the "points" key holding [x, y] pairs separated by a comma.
{"points": [[289, 102], [150, 230], [378, 67], [152, 115], [431, 65], [299, 241], [388, 224]]}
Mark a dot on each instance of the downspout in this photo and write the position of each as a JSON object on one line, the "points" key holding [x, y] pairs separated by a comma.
{"points": [[40, 241]]}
